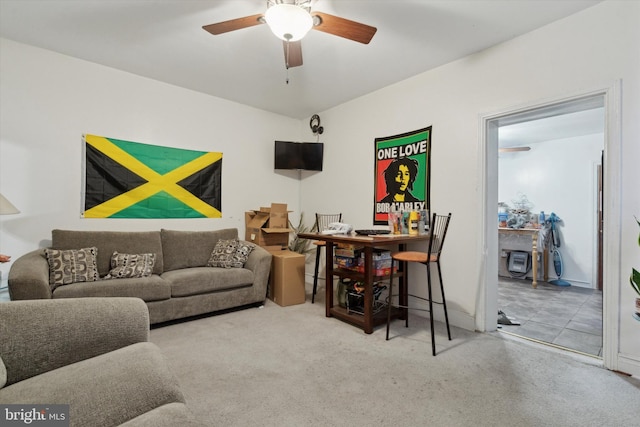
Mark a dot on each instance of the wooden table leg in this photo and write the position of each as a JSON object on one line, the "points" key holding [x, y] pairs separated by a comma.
{"points": [[368, 290], [328, 281], [403, 284], [534, 256]]}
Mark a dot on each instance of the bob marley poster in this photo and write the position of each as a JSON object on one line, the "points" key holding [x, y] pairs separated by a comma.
{"points": [[402, 169]]}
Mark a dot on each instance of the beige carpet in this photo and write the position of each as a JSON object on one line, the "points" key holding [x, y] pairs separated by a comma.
{"points": [[291, 366]]}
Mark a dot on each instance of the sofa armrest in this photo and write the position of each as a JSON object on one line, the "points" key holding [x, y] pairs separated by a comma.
{"points": [[259, 262], [29, 277], [42, 335]]}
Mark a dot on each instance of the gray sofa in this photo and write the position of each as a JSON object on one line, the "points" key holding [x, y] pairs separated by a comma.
{"points": [[92, 354], [181, 284]]}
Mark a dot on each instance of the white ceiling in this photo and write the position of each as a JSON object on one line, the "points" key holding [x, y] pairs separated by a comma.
{"points": [[562, 120], [562, 126], [164, 40]]}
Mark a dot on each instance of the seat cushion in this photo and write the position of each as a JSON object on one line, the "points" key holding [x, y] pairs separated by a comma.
{"points": [[151, 288], [106, 390], [202, 280], [412, 256]]}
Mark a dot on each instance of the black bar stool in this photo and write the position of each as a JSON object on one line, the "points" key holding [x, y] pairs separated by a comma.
{"points": [[322, 223], [438, 229]]}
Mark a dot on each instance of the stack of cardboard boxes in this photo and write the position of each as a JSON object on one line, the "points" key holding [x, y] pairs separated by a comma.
{"points": [[269, 228]]}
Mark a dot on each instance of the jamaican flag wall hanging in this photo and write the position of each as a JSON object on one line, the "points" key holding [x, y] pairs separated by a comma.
{"points": [[125, 179]]}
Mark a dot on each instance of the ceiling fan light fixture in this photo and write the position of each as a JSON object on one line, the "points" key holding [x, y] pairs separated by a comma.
{"points": [[288, 22]]}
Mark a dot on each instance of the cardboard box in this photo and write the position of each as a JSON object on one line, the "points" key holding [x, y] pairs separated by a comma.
{"points": [[377, 264], [278, 216], [286, 281], [378, 254], [268, 226], [352, 251], [345, 262]]}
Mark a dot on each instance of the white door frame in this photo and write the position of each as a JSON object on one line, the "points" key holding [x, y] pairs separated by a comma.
{"points": [[487, 304]]}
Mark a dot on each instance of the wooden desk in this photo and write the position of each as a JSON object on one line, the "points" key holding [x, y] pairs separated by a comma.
{"points": [[533, 232], [368, 320]]}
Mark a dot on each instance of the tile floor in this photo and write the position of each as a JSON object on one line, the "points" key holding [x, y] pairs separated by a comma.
{"points": [[566, 316]]}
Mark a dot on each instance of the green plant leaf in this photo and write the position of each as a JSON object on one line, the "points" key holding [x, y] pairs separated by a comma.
{"points": [[298, 244], [635, 280]]}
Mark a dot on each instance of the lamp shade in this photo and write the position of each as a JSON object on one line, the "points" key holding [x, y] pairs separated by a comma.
{"points": [[288, 22], [6, 207]]}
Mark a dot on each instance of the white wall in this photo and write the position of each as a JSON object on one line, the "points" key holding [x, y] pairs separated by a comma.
{"points": [[582, 53], [49, 100], [547, 174]]}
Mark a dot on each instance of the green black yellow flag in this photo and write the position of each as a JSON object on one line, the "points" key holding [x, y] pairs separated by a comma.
{"points": [[126, 179]]}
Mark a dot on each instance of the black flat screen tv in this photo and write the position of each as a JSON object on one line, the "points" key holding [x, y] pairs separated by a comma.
{"points": [[298, 155], [312, 154], [286, 156]]}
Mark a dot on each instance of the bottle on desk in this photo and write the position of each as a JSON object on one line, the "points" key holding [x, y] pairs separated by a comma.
{"points": [[404, 223], [502, 219], [414, 217], [422, 222]]}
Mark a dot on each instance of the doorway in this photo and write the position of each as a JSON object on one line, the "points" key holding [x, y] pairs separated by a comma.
{"points": [[608, 99], [547, 162]]}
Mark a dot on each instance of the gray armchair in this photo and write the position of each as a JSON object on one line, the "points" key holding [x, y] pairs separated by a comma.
{"points": [[92, 354]]}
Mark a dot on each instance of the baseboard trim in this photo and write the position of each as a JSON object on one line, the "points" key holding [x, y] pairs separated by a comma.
{"points": [[629, 365], [457, 318]]}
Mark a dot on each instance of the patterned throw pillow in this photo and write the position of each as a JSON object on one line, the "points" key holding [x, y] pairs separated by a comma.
{"points": [[71, 266], [242, 254], [131, 265], [223, 253]]}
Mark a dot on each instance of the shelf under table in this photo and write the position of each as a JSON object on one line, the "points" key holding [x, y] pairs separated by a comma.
{"points": [[367, 320]]}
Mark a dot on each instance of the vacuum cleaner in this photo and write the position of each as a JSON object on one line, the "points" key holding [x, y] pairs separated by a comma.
{"points": [[557, 258]]}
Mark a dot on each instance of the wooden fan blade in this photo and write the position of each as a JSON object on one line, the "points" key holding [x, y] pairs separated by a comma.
{"points": [[234, 24], [292, 53], [342, 27], [513, 149]]}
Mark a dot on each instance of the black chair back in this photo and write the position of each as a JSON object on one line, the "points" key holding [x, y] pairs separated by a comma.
{"points": [[323, 221], [439, 226]]}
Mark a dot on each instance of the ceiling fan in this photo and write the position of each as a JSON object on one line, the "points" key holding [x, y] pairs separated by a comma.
{"points": [[291, 20], [513, 149]]}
